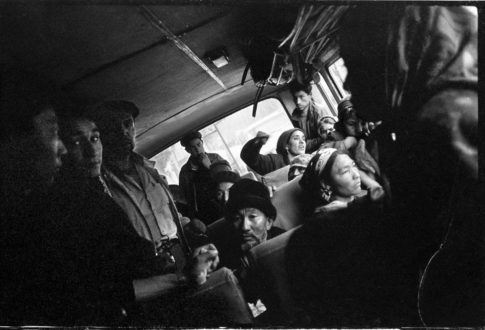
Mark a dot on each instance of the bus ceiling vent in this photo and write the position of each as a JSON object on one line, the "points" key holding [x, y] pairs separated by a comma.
{"points": [[218, 57]]}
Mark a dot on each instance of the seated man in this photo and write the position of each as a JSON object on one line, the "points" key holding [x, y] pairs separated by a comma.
{"points": [[306, 114], [108, 272], [291, 143], [224, 178], [251, 214], [195, 179], [31, 157]]}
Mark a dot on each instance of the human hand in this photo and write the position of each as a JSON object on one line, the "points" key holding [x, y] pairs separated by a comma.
{"points": [[205, 260], [204, 160], [261, 137], [376, 193], [369, 126]]}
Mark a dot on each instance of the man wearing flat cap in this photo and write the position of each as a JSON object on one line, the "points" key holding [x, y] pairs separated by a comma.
{"points": [[195, 180], [135, 184]]}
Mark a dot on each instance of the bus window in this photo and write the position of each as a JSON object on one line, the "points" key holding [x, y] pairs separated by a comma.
{"points": [[227, 136], [338, 73]]}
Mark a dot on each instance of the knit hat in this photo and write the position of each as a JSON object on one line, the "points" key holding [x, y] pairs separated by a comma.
{"points": [[333, 118], [283, 140], [184, 141], [249, 193], [345, 104], [221, 172]]}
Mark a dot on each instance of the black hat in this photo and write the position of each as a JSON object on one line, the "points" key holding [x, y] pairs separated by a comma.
{"points": [[249, 193], [105, 107], [221, 172], [184, 141]]}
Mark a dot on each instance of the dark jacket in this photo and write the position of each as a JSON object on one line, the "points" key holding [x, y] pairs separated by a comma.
{"points": [[344, 280], [309, 125], [92, 254], [264, 164], [198, 188]]}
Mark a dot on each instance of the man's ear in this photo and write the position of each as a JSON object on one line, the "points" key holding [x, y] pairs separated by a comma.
{"points": [[269, 223]]}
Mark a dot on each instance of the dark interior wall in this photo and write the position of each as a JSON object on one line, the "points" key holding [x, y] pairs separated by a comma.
{"points": [[108, 51]]}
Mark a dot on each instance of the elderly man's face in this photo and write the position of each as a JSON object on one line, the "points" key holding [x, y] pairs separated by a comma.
{"points": [[118, 133], [45, 146], [251, 226]]}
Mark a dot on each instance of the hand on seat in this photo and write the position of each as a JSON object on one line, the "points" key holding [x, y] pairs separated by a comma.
{"points": [[204, 261]]}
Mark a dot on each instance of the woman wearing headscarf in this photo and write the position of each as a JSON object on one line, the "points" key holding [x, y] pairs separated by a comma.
{"points": [[415, 68], [344, 280], [291, 143], [349, 136]]}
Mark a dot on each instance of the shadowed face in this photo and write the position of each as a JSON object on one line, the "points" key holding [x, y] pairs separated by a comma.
{"points": [[84, 146], [302, 100], [251, 226], [46, 147], [118, 129], [195, 147]]}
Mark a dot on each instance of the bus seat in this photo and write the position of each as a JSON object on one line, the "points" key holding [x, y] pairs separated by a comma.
{"points": [[267, 264], [249, 175], [218, 228], [289, 200], [276, 178]]}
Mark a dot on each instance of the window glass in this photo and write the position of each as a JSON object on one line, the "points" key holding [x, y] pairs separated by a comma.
{"points": [[338, 72], [227, 136], [319, 99]]}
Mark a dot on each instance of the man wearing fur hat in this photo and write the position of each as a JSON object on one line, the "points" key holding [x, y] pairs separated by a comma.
{"points": [[250, 215]]}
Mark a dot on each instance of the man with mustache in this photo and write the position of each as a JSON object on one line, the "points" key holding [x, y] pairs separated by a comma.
{"points": [[251, 215]]}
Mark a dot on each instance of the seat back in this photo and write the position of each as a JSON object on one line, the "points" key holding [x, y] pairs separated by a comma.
{"points": [[250, 175], [276, 178], [289, 200], [268, 269]]}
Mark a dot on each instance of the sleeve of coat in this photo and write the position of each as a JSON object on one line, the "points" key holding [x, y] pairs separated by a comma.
{"points": [[262, 164]]}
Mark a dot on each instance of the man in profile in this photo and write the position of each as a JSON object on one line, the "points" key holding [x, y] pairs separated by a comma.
{"points": [[31, 157]]}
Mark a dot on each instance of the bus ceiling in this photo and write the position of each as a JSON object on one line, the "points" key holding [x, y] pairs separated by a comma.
{"points": [[159, 56]]}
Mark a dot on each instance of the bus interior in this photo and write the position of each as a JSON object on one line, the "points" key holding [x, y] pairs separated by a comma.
{"points": [[221, 68]]}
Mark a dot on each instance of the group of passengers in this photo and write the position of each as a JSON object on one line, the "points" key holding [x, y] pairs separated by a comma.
{"points": [[91, 233]]}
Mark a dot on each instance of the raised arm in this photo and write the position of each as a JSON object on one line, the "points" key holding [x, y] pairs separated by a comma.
{"points": [[250, 154]]}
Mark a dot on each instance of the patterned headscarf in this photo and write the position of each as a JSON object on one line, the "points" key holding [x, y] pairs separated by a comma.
{"points": [[312, 180]]}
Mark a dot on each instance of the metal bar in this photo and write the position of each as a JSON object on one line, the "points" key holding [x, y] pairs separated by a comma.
{"points": [[162, 41], [158, 23]]}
